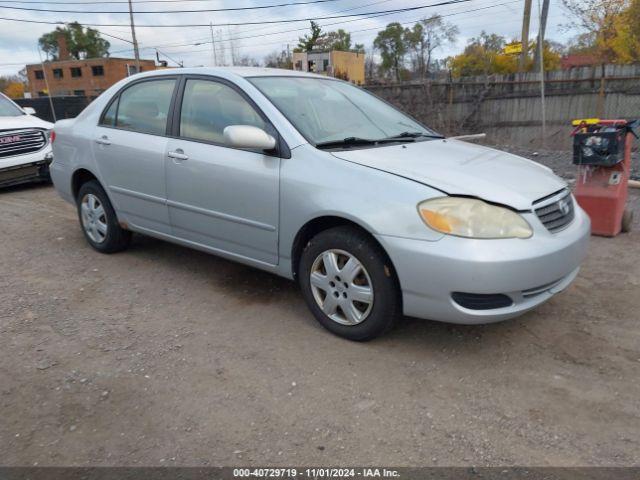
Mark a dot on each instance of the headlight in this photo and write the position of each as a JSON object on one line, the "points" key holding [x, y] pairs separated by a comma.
{"points": [[468, 217]]}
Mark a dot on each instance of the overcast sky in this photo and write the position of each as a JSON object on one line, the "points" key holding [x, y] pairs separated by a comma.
{"points": [[18, 41]]}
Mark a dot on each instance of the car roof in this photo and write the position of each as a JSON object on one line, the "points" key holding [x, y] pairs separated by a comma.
{"points": [[234, 71]]}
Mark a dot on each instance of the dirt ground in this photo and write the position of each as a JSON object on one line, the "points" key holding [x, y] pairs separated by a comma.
{"points": [[166, 356]]}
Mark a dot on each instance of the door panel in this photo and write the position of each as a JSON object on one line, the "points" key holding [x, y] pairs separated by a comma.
{"points": [[221, 197], [132, 165], [130, 147]]}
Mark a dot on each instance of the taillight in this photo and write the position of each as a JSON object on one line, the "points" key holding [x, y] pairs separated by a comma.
{"points": [[52, 136]]}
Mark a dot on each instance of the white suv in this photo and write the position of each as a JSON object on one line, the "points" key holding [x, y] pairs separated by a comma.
{"points": [[25, 146]]}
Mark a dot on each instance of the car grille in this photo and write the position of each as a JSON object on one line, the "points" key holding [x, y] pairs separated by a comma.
{"points": [[556, 211], [19, 142]]}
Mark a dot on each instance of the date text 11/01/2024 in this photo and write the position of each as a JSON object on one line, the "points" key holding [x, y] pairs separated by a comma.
{"points": [[315, 473]]}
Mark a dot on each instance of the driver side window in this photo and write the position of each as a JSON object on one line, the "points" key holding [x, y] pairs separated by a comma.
{"points": [[208, 107]]}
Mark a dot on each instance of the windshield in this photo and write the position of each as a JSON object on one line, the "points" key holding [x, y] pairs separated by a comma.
{"points": [[8, 108], [325, 110]]}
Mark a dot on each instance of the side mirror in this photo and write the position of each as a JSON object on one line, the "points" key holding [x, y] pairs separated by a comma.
{"points": [[29, 110], [247, 136]]}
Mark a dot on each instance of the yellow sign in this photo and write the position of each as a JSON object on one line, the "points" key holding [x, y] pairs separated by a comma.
{"points": [[585, 121], [514, 48]]}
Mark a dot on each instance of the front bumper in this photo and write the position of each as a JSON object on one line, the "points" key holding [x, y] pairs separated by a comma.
{"points": [[529, 271], [32, 170]]}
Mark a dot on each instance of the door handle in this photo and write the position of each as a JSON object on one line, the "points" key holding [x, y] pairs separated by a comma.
{"points": [[103, 140], [178, 155]]}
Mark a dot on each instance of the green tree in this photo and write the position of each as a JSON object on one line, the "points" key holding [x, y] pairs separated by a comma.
{"points": [[309, 41], [425, 37], [336, 40], [81, 42], [393, 48]]}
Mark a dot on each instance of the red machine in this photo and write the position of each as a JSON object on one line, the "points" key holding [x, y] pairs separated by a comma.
{"points": [[602, 151]]}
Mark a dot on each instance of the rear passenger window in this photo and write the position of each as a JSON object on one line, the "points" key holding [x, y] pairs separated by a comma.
{"points": [[208, 107], [144, 107], [109, 117]]}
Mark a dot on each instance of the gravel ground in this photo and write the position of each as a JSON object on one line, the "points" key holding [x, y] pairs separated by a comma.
{"points": [[166, 356], [560, 161]]}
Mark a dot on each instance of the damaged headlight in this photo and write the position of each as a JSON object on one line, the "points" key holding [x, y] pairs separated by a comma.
{"points": [[472, 218]]}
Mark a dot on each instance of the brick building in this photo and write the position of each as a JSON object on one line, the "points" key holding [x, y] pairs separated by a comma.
{"points": [[88, 77]]}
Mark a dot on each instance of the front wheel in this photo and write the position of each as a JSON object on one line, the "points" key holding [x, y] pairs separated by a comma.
{"points": [[349, 284]]}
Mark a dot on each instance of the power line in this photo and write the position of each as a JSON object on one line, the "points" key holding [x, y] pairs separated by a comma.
{"points": [[263, 22], [409, 22], [197, 41], [103, 2], [232, 9], [331, 24]]}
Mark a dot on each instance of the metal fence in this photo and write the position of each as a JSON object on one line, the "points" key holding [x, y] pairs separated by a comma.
{"points": [[65, 107]]}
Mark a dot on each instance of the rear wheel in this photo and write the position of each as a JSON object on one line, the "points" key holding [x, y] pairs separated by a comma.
{"points": [[98, 220], [349, 284]]}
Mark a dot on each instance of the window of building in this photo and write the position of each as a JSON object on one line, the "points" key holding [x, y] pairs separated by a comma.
{"points": [[325, 65], [97, 70], [76, 72], [39, 74], [57, 73], [208, 107], [78, 93], [144, 107]]}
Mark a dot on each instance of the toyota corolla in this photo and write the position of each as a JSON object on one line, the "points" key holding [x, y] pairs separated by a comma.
{"points": [[317, 180]]}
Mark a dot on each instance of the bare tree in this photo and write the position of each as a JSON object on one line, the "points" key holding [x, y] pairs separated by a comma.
{"points": [[424, 38]]}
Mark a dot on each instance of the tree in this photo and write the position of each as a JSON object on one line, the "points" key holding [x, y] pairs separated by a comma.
{"points": [[14, 90], [626, 44], [278, 60], [425, 37], [12, 86], [483, 56], [602, 17], [308, 42], [81, 43], [337, 40], [393, 49]]}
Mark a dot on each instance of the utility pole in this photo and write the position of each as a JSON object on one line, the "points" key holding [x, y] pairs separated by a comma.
{"points": [[541, 60], [543, 27], [213, 46], [136, 52], [526, 19]]}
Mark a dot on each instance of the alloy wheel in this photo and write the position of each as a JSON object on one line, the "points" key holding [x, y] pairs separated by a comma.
{"points": [[94, 218], [341, 287]]}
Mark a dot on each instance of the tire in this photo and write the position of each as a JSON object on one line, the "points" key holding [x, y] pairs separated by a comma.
{"points": [[627, 221], [333, 284], [98, 220]]}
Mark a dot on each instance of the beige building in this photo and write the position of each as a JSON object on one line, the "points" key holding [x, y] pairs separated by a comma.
{"points": [[345, 65]]}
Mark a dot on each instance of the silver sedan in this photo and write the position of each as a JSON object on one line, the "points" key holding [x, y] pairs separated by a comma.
{"points": [[314, 179]]}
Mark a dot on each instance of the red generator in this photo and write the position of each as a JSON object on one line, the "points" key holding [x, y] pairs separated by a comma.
{"points": [[602, 151]]}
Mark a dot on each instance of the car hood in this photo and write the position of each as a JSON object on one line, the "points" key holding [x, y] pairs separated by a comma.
{"points": [[460, 168], [23, 121]]}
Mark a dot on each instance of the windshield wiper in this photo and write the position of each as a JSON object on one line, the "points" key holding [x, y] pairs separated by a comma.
{"points": [[346, 142], [356, 141], [413, 135]]}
